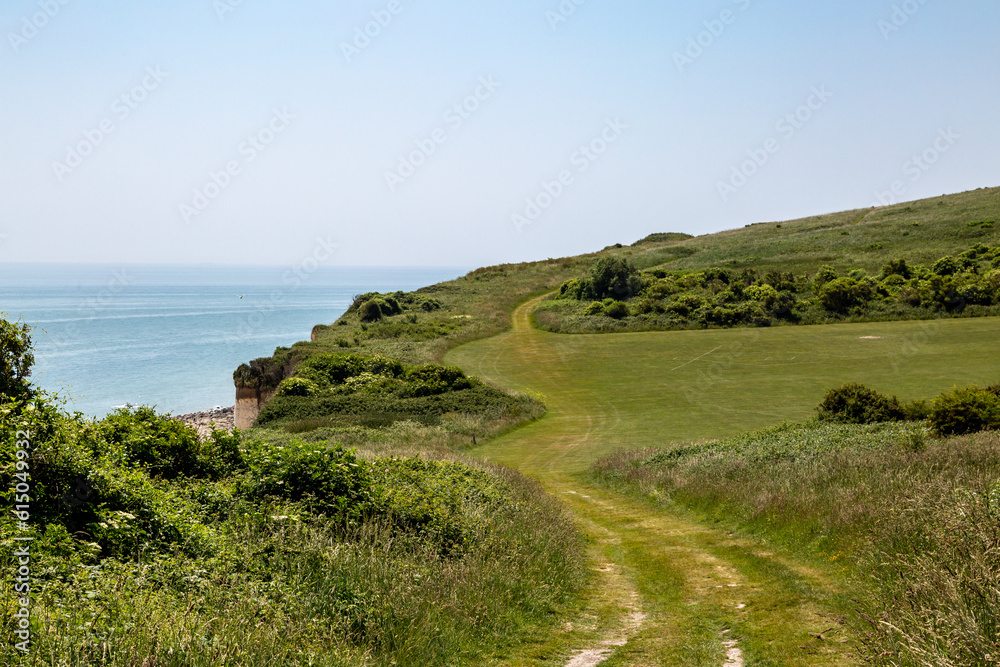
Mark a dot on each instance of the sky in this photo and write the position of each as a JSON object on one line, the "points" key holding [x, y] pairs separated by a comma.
{"points": [[447, 133]]}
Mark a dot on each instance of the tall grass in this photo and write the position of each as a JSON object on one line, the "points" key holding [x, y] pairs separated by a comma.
{"points": [[285, 589], [913, 522], [431, 558]]}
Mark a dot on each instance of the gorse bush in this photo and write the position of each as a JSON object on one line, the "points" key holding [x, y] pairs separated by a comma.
{"points": [[857, 404], [966, 410], [370, 311], [960, 411], [299, 386], [138, 437], [328, 481]]}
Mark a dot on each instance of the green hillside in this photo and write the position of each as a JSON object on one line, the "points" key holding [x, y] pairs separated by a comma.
{"points": [[866, 238], [420, 326]]}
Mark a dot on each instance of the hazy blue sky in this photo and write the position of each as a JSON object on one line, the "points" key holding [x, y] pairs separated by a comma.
{"points": [[683, 108]]}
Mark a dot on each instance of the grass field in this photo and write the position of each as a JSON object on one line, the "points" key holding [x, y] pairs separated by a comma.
{"points": [[653, 389], [681, 588]]}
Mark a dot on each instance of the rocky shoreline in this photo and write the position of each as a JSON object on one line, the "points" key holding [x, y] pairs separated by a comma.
{"points": [[203, 422]]}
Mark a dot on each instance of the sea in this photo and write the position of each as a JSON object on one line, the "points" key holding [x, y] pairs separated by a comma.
{"points": [[171, 336]]}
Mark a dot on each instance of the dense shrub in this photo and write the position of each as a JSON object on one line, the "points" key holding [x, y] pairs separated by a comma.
{"points": [[298, 386], [263, 373], [965, 410], [897, 267], [333, 368], [857, 404], [614, 277], [140, 437], [616, 310], [723, 297], [946, 266], [842, 294], [16, 359], [370, 311], [330, 481], [480, 399], [432, 379], [608, 278], [440, 501]]}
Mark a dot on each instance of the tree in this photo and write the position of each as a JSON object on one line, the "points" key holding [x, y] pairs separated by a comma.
{"points": [[614, 277], [16, 358]]}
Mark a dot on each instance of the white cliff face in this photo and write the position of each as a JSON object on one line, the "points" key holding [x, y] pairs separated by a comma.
{"points": [[249, 402]]}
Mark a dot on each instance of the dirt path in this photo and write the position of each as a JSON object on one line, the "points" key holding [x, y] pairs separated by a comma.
{"points": [[666, 590]]}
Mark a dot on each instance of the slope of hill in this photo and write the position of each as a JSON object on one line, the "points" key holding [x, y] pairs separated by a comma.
{"points": [[419, 327]]}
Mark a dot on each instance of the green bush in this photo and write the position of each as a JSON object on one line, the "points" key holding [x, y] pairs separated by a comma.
{"points": [[221, 455], [139, 437], [431, 379], [298, 386], [263, 373], [370, 311], [897, 267], [965, 410], [16, 359], [857, 404], [613, 277], [616, 310], [823, 276], [946, 266], [842, 294], [330, 481], [330, 369], [440, 501]]}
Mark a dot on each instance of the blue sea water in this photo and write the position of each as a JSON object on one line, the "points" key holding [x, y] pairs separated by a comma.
{"points": [[171, 337]]}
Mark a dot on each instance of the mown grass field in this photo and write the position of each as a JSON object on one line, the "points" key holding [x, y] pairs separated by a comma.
{"points": [[654, 389]]}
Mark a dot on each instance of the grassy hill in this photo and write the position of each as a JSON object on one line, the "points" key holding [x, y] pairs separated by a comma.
{"points": [[421, 326], [479, 304], [923, 230]]}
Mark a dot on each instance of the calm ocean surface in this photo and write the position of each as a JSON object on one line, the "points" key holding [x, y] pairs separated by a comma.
{"points": [[171, 337]]}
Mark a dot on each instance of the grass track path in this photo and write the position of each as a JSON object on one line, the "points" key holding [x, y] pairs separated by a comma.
{"points": [[666, 590]]}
